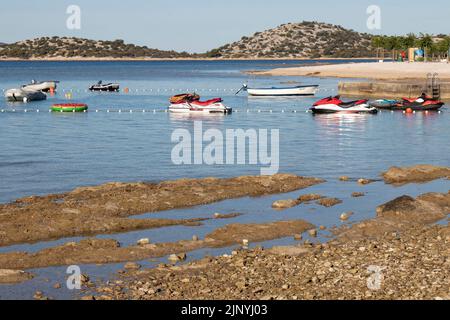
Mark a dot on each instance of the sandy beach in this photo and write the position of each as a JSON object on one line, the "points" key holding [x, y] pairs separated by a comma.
{"points": [[377, 71]]}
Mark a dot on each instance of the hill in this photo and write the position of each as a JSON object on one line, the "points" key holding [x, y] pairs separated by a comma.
{"points": [[299, 40], [69, 47]]}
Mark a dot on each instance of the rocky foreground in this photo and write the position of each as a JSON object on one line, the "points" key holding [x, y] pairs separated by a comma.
{"points": [[412, 265], [399, 254]]}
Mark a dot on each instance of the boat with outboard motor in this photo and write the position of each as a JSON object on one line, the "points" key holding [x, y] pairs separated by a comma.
{"points": [[44, 86], [100, 86], [336, 105], [307, 90], [190, 103], [24, 95]]}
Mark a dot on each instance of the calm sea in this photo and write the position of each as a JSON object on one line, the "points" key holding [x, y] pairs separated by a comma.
{"points": [[43, 153]]}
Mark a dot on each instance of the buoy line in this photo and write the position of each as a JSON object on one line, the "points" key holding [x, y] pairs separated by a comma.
{"points": [[156, 110]]}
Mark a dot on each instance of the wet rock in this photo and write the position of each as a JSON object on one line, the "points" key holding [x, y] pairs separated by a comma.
{"points": [[173, 258], [312, 233], [236, 233], [415, 174], [182, 256], [14, 276], [143, 242], [226, 216], [414, 210], [344, 178], [132, 266], [306, 198], [364, 181], [57, 286], [358, 194], [298, 237], [346, 215], [38, 295], [284, 204], [329, 202]]}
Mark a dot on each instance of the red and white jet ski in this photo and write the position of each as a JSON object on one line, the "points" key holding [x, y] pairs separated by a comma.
{"points": [[336, 105], [190, 103]]}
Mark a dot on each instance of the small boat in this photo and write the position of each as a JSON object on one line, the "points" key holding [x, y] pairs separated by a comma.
{"points": [[44, 86], [336, 105], [69, 107], [100, 86], [190, 103], [308, 90], [422, 103], [24, 95]]}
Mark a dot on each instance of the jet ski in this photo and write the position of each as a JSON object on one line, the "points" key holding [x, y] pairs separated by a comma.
{"points": [[190, 103], [100, 86], [422, 103], [336, 105]]}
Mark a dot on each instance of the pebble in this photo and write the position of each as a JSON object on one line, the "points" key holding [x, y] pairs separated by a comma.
{"points": [[195, 238], [364, 181], [298, 237], [313, 233], [346, 215], [143, 242]]}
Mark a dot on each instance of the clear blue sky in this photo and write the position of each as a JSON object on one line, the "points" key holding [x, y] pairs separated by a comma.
{"points": [[199, 25]]}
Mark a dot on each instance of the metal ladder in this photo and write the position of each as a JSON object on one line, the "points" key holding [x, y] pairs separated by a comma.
{"points": [[433, 86]]}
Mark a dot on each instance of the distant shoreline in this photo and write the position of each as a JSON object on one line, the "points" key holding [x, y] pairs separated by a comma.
{"points": [[399, 71], [109, 59]]}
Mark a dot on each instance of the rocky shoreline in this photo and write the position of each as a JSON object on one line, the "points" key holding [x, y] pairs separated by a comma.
{"points": [[413, 265], [403, 233], [105, 209]]}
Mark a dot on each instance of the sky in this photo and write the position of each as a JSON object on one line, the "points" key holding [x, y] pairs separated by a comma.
{"points": [[201, 25]]}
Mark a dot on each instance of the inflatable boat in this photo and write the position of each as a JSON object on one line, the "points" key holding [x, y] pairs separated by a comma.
{"points": [[69, 107], [44, 86], [24, 95]]}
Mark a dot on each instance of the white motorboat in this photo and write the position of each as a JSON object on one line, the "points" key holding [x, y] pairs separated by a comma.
{"points": [[100, 86], [24, 95], [44, 86], [308, 90], [190, 103]]}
